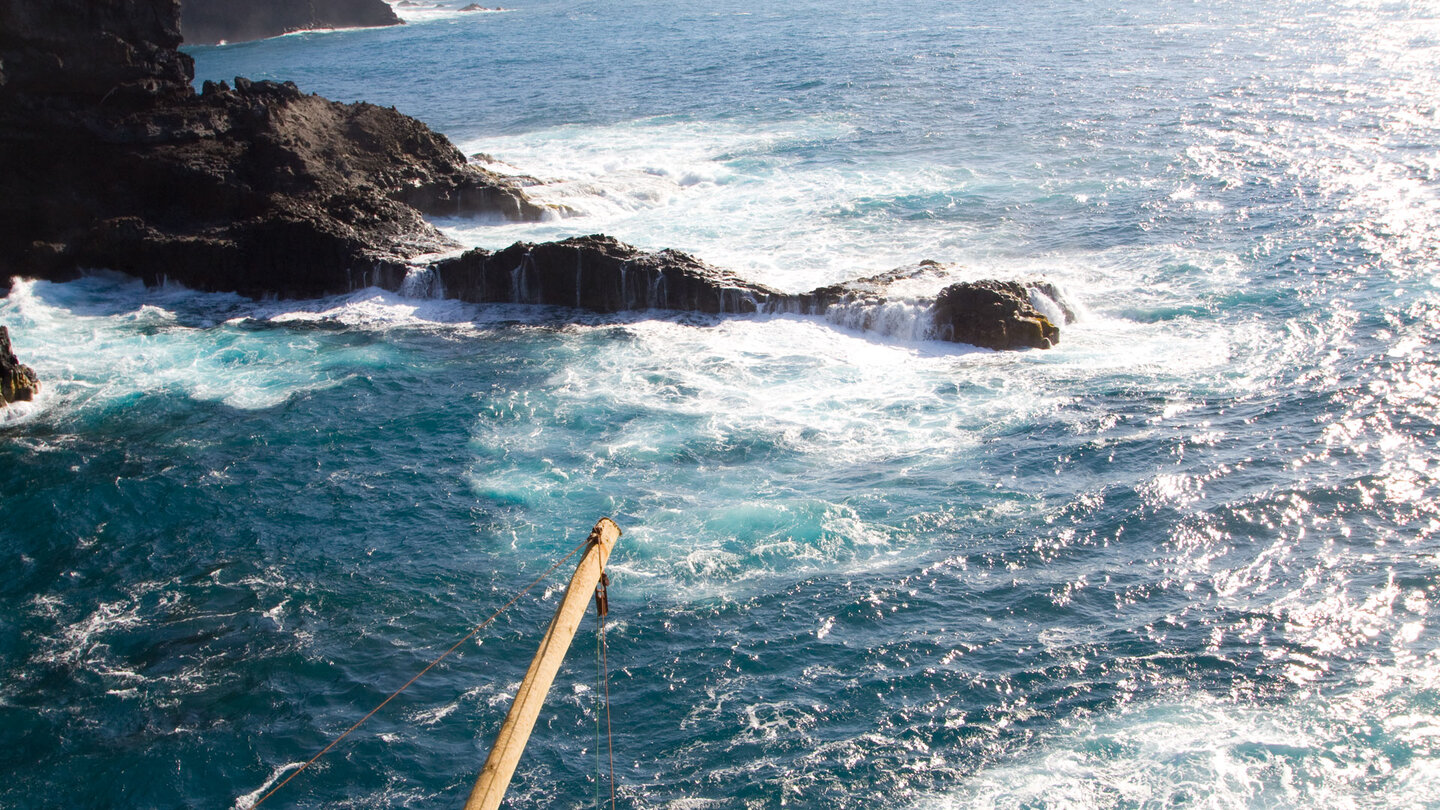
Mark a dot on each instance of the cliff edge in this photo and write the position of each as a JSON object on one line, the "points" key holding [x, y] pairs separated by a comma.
{"points": [[206, 22], [109, 158]]}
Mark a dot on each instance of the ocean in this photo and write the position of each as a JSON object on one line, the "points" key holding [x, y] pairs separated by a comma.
{"points": [[1187, 558]]}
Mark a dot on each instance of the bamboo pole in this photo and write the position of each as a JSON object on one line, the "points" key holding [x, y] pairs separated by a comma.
{"points": [[494, 779]]}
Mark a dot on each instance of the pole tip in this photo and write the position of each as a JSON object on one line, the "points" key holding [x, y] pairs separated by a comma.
{"points": [[606, 532]]}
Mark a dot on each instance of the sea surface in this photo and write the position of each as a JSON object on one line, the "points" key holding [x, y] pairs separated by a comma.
{"points": [[1188, 558]]}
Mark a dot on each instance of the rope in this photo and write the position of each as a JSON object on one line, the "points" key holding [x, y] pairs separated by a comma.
{"points": [[609, 735], [599, 672], [602, 674], [427, 668]]}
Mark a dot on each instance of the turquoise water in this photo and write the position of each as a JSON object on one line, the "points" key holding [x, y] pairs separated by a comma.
{"points": [[1187, 558]]}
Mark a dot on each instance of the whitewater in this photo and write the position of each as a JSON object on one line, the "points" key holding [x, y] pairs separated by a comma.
{"points": [[1188, 557]]}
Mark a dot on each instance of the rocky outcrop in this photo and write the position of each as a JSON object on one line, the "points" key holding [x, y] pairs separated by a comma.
{"points": [[600, 274], [108, 158], [18, 383], [205, 22], [918, 302], [57, 55], [993, 314]]}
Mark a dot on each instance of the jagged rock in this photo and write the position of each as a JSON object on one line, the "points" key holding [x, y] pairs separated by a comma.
{"points": [[600, 274], [18, 383], [987, 313], [205, 22], [69, 53], [107, 153], [992, 314], [109, 159]]}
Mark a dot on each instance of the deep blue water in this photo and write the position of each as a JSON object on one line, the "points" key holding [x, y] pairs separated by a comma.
{"points": [[1187, 558]]}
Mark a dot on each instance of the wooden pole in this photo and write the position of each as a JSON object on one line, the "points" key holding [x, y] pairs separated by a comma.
{"points": [[494, 779]]}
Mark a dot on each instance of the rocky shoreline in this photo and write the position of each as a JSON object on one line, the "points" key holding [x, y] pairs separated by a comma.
{"points": [[207, 22], [600, 274], [110, 159]]}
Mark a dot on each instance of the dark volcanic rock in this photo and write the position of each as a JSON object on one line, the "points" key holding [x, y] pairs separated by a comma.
{"points": [[205, 22], [18, 383], [992, 314], [72, 52], [108, 158], [600, 274], [988, 313]]}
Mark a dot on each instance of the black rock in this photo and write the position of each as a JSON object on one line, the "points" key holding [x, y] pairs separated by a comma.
{"points": [[205, 22], [988, 313], [993, 314], [108, 158], [599, 274], [18, 383]]}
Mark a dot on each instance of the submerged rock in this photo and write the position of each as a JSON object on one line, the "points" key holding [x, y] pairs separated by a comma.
{"points": [[18, 383], [108, 158], [205, 22]]}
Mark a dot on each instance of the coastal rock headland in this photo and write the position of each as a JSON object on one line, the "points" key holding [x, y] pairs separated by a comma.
{"points": [[206, 22], [18, 382], [110, 159], [601, 274]]}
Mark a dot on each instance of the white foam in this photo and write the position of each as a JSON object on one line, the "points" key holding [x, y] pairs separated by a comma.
{"points": [[424, 11], [249, 799], [753, 400], [417, 304], [729, 192], [138, 341], [1368, 748], [18, 413], [1047, 307]]}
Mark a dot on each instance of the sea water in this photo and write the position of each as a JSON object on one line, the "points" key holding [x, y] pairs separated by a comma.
{"points": [[1187, 558]]}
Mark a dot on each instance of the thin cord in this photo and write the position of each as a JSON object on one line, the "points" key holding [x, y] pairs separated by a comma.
{"points": [[427, 668], [609, 734], [599, 774]]}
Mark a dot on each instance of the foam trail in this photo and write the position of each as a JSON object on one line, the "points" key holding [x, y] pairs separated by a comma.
{"points": [[249, 799]]}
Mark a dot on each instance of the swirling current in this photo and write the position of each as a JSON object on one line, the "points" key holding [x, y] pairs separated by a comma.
{"points": [[1186, 558]]}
